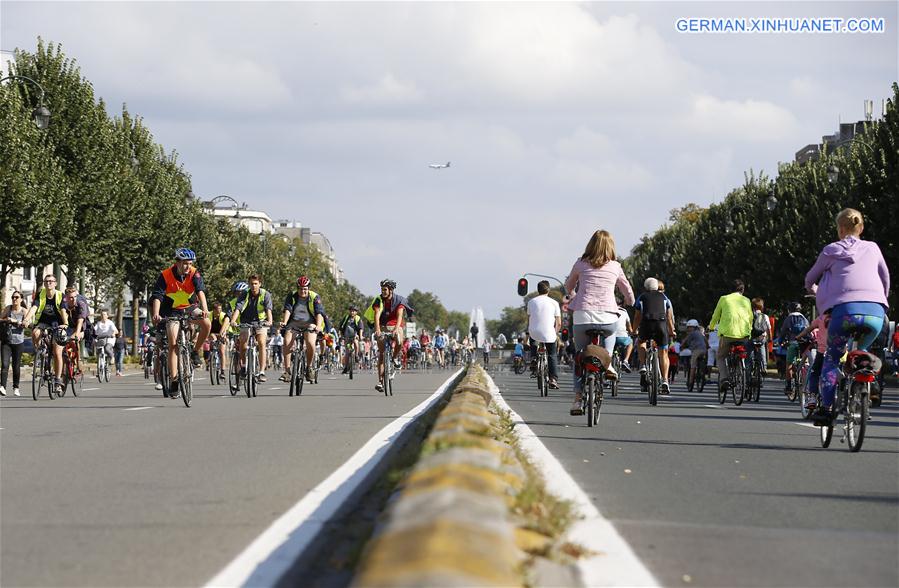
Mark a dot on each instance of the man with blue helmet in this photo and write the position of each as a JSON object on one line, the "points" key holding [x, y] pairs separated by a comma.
{"points": [[179, 290]]}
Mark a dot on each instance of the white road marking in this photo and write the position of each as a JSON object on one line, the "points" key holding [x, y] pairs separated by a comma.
{"points": [[139, 408], [812, 425], [277, 388], [615, 563], [714, 406], [89, 389], [271, 554]]}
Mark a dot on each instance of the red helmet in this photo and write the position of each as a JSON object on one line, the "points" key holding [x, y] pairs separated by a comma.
{"points": [[303, 282]]}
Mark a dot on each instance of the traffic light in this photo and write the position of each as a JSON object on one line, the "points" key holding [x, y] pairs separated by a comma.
{"points": [[523, 287], [565, 335]]}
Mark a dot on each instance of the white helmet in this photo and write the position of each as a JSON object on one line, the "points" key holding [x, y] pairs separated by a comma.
{"points": [[693, 323]]}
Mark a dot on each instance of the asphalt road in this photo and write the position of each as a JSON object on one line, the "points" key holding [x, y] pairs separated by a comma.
{"points": [[121, 487], [730, 496]]}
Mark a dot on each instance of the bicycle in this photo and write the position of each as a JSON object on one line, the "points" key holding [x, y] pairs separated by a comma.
{"points": [[72, 377], [851, 401], [616, 365], [350, 352], [215, 362], [386, 378], [652, 378], [542, 370], [233, 365], [699, 375], [800, 371], [298, 365], [148, 353], [736, 378], [518, 364], [756, 372], [42, 370], [594, 378], [102, 361], [251, 354], [183, 348]]}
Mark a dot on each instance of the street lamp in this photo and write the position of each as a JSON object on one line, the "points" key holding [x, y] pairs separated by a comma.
{"points": [[135, 163], [40, 114], [235, 205], [833, 173]]}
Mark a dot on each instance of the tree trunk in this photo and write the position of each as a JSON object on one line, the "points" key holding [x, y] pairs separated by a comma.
{"points": [[4, 271], [135, 319], [120, 309]]}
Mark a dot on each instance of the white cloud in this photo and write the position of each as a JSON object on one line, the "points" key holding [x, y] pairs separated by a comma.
{"points": [[752, 120], [386, 91]]}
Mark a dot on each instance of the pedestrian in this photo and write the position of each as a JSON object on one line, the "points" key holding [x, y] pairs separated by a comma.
{"points": [[486, 353], [119, 348], [12, 340]]}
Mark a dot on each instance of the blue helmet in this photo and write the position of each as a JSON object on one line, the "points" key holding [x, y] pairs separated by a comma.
{"points": [[185, 254], [240, 287]]}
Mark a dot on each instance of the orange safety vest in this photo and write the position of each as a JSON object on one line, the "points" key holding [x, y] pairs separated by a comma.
{"points": [[174, 288]]}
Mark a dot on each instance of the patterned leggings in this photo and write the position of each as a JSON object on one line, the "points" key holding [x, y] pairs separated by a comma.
{"points": [[863, 328]]}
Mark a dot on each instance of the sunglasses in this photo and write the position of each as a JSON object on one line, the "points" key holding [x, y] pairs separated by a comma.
{"points": [[16, 297], [49, 281]]}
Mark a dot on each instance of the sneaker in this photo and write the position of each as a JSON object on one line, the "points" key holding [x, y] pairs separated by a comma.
{"points": [[309, 375], [577, 408], [379, 387], [553, 385], [664, 389], [15, 392], [626, 367], [195, 359], [285, 377], [611, 374], [397, 363], [158, 386], [2, 391], [642, 371], [260, 377]]}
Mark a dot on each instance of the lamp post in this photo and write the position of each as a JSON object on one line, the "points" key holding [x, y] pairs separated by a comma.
{"points": [[833, 170], [770, 205], [135, 163], [235, 205], [41, 114]]}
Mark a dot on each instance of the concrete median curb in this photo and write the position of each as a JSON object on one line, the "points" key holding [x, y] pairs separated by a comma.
{"points": [[453, 521]]}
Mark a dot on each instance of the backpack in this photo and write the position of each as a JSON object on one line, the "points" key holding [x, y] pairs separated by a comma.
{"points": [[795, 324], [760, 324]]}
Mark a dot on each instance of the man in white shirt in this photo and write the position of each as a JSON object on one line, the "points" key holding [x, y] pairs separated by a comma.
{"points": [[105, 332], [544, 322]]}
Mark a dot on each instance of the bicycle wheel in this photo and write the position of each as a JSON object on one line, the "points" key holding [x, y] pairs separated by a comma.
{"points": [[385, 378], [738, 380], [590, 397], [793, 394], [37, 375], [164, 377], [700, 374], [616, 363], [100, 359], [597, 401], [654, 381], [185, 376], [251, 374], [722, 390], [234, 374], [213, 369], [757, 382], [826, 435], [350, 361], [857, 415], [804, 397], [76, 383], [146, 364]]}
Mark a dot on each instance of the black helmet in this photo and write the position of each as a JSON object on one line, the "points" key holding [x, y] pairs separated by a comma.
{"points": [[794, 307], [388, 283], [61, 337]]}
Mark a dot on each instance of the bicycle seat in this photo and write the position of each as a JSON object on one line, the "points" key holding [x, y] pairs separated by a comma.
{"points": [[599, 332], [859, 360]]}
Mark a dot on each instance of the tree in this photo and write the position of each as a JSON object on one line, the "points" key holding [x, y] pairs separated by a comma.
{"points": [[429, 311]]}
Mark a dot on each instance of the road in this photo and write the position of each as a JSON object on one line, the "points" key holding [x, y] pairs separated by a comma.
{"points": [[729, 496], [122, 487]]}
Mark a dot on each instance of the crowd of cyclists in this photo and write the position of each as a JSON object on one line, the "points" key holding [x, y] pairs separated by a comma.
{"points": [[849, 282]]}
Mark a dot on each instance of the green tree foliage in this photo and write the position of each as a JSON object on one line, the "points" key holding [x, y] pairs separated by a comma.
{"points": [[703, 250], [513, 319]]}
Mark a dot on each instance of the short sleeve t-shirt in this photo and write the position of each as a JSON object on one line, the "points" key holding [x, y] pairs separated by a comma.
{"points": [[298, 308], [542, 313], [248, 306]]}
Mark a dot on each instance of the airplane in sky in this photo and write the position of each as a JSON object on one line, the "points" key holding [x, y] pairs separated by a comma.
{"points": [[439, 165]]}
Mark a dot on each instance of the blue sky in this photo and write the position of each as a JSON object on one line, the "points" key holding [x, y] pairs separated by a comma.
{"points": [[559, 118]]}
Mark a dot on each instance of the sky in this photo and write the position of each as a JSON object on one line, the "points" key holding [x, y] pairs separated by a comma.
{"points": [[560, 118]]}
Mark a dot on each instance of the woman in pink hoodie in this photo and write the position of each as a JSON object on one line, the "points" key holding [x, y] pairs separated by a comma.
{"points": [[853, 283]]}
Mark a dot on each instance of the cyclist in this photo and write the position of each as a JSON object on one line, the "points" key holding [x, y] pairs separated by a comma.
{"points": [[654, 320], [852, 281], [276, 344], [696, 344], [817, 330], [425, 340], [595, 275], [179, 291], [219, 333], [106, 332], [623, 338], [518, 353], [794, 323], [387, 312], [351, 328], [301, 309], [48, 313], [733, 319], [413, 352], [255, 305], [439, 347], [544, 322], [79, 319], [761, 330]]}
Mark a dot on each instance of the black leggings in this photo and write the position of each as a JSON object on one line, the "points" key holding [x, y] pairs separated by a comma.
{"points": [[14, 351]]}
